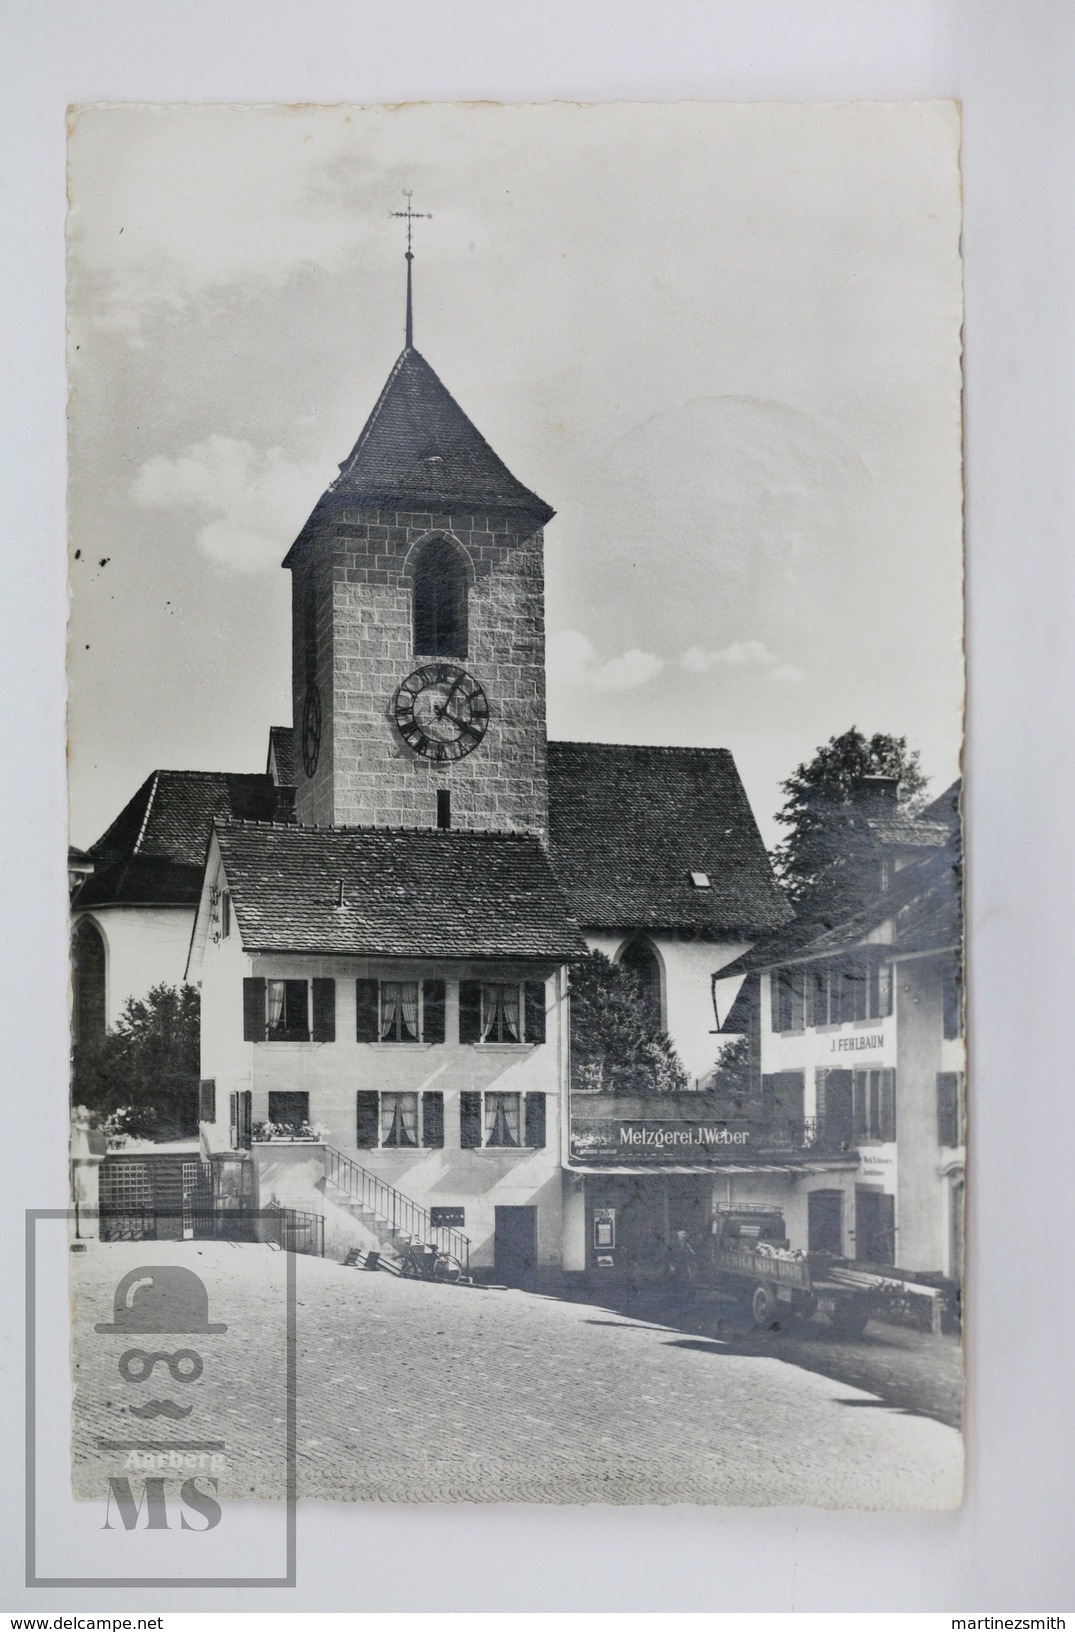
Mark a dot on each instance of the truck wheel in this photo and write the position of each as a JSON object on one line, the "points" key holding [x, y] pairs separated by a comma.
{"points": [[762, 1305]]}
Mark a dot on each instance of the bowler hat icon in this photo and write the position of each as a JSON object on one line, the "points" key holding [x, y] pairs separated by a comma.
{"points": [[155, 1298]]}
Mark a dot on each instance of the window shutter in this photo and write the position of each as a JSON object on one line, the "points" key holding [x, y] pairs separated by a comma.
{"points": [[433, 1015], [470, 1012], [888, 1105], [254, 1010], [366, 994], [246, 1118], [948, 1107], [367, 1118], [324, 1010], [207, 1100], [535, 1122], [535, 1016], [233, 1121], [861, 1095], [433, 1120], [774, 999], [470, 1121]]}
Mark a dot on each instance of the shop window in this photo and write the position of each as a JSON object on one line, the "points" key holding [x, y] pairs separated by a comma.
{"points": [[440, 601], [874, 1106], [399, 1121], [499, 1121], [279, 1011], [399, 1011], [501, 1011]]}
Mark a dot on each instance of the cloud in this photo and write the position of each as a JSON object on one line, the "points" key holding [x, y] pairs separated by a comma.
{"points": [[742, 654], [573, 659], [251, 504]]}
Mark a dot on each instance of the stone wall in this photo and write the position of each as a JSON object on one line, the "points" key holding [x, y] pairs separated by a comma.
{"points": [[362, 561]]}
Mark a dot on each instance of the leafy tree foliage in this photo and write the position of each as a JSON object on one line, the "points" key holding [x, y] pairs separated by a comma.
{"points": [[142, 1077], [828, 862], [616, 1036]]}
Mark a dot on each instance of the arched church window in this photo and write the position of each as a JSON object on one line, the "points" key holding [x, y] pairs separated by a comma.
{"points": [[641, 959], [440, 601], [89, 982]]}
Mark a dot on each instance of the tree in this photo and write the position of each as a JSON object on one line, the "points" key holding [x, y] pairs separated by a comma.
{"points": [[143, 1076], [828, 862], [616, 1034]]}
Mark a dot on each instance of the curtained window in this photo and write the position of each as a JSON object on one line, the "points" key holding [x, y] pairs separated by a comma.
{"points": [[287, 1010], [502, 1121], [500, 1014], [399, 1121], [399, 1011]]}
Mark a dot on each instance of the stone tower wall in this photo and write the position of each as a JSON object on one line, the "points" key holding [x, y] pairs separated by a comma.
{"points": [[367, 775]]}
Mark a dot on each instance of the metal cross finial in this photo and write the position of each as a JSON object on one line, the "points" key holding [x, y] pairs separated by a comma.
{"points": [[409, 215]]}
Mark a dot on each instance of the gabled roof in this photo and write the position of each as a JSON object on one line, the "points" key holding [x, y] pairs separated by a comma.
{"points": [[281, 757], [154, 851], [408, 893], [924, 903], [629, 825], [419, 451]]}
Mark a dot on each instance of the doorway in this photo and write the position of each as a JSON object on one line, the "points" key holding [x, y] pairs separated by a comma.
{"points": [[875, 1226], [825, 1222], [515, 1245]]}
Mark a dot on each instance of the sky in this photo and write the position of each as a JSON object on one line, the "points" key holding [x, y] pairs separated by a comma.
{"points": [[721, 340]]}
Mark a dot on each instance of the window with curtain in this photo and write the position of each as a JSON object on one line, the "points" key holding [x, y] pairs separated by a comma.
{"points": [[874, 1102], [399, 1011], [287, 1016], [500, 1014], [502, 1121], [399, 1121]]}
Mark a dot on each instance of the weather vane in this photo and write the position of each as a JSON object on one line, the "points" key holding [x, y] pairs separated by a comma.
{"points": [[409, 216]]}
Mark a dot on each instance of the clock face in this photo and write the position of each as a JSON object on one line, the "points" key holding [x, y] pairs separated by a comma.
{"points": [[311, 730], [441, 711]]}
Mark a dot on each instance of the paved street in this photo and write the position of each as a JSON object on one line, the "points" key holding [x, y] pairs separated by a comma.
{"points": [[416, 1392]]}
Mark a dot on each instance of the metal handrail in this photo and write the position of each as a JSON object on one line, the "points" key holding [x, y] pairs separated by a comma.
{"points": [[393, 1207]]}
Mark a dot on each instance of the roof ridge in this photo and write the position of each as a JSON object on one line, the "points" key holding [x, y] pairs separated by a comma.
{"points": [[639, 747], [440, 833], [145, 819]]}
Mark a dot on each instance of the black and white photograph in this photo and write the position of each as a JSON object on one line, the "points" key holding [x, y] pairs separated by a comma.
{"points": [[515, 721]]}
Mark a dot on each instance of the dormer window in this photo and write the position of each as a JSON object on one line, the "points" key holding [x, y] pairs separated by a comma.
{"points": [[701, 881], [440, 601]]}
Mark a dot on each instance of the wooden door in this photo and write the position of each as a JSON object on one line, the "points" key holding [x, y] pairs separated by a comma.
{"points": [[515, 1245], [825, 1221]]}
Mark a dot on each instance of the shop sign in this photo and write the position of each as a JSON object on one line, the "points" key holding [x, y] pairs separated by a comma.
{"points": [[646, 1140], [857, 1043]]}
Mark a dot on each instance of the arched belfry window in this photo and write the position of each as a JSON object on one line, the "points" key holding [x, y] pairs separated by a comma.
{"points": [[641, 959], [89, 982], [440, 601]]}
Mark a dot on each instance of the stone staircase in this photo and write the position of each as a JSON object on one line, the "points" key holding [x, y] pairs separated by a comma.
{"points": [[391, 1220]]}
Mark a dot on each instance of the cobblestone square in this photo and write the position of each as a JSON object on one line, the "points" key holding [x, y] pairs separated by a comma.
{"points": [[415, 1392]]}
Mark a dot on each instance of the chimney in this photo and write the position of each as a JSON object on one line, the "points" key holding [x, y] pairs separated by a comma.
{"points": [[877, 790]]}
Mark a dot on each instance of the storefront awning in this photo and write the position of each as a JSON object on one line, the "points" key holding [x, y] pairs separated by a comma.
{"points": [[724, 1169]]}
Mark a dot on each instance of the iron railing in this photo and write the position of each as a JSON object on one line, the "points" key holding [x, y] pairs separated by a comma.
{"points": [[392, 1207], [292, 1230]]}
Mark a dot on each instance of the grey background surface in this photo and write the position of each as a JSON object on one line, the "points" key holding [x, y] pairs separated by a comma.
{"points": [[1011, 66]]}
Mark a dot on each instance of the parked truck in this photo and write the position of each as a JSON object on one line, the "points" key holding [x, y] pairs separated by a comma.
{"points": [[746, 1260]]}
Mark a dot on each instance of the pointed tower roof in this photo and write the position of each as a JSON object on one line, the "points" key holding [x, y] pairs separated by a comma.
{"points": [[419, 451]]}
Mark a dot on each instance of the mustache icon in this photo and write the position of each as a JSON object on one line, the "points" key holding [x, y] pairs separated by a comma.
{"points": [[161, 1408]]}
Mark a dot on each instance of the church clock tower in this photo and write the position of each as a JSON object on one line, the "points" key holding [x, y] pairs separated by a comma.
{"points": [[418, 636]]}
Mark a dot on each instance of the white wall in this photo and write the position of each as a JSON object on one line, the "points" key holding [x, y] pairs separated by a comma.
{"points": [[687, 969], [144, 947]]}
